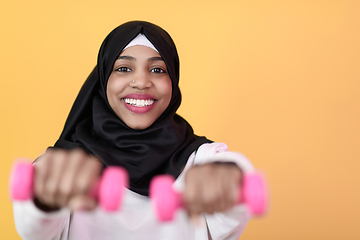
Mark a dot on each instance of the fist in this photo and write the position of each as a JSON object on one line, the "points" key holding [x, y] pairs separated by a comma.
{"points": [[64, 179], [212, 187]]}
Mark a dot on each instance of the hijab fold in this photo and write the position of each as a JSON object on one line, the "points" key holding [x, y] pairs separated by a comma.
{"points": [[162, 148]]}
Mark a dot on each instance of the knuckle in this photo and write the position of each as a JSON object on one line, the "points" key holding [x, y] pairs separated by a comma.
{"points": [[55, 154], [95, 164], [62, 153], [78, 154], [209, 168], [191, 173]]}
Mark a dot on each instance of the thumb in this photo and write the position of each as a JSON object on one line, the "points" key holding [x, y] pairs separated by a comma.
{"points": [[82, 203]]}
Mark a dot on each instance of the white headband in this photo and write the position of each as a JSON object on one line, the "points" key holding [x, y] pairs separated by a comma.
{"points": [[141, 39]]}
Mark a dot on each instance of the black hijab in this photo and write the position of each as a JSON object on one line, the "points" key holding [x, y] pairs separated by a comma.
{"points": [[162, 148]]}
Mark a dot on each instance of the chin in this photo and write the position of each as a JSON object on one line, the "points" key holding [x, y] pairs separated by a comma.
{"points": [[138, 126]]}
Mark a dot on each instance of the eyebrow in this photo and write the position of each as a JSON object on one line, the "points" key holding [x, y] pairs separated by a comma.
{"points": [[155, 59], [126, 57], [152, 59]]}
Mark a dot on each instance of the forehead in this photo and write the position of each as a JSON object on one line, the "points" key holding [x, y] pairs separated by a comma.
{"points": [[139, 50]]}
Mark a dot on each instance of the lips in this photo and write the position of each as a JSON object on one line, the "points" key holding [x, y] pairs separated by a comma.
{"points": [[139, 103]]}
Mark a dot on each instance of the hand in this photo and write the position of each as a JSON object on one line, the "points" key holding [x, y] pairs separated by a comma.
{"points": [[64, 179], [211, 188]]}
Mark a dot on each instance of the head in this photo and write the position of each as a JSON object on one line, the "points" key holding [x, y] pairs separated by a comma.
{"points": [[139, 87], [139, 78]]}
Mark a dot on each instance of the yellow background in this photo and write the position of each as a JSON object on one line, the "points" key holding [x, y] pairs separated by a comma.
{"points": [[276, 80]]}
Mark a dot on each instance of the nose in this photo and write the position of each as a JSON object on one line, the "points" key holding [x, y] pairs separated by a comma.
{"points": [[141, 81]]}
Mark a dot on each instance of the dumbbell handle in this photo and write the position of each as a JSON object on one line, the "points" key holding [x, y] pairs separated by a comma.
{"points": [[108, 189]]}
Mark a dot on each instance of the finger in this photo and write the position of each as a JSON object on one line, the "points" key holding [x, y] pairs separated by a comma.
{"points": [[228, 193], [220, 190], [55, 174], [231, 183], [87, 174], [209, 198], [81, 203], [211, 193], [192, 194], [41, 174], [215, 198], [76, 159]]}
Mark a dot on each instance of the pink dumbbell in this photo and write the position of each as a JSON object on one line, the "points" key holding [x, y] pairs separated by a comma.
{"points": [[109, 189], [166, 201]]}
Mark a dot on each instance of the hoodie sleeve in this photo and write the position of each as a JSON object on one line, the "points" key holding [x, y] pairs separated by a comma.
{"points": [[33, 224]]}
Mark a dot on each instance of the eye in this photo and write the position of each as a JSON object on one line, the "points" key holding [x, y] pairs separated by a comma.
{"points": [[157, 70], [123, 69]]}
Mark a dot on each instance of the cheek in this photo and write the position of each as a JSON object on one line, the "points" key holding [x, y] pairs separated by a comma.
{"points": [[166, 89], [114, 86], [111, 90]]}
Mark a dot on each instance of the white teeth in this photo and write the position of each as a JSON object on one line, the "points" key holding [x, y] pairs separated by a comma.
{"points": [[139, 102]]}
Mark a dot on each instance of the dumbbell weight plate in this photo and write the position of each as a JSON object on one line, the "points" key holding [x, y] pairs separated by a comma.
{"points": [[165, 200], [21, 182], [111, 190], [254, 193]]}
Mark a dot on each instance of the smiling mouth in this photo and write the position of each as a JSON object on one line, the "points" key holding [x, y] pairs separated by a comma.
{"points": [[139, 102]]}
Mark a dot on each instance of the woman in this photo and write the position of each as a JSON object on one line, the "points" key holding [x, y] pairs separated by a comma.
{"points": [[125, 115]]}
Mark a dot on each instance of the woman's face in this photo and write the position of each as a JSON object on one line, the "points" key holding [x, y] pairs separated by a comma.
{"points": [[139, 87]]}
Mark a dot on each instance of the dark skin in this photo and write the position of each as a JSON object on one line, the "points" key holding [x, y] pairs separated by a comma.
{"points": [[211, 188], [64, 178]]}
